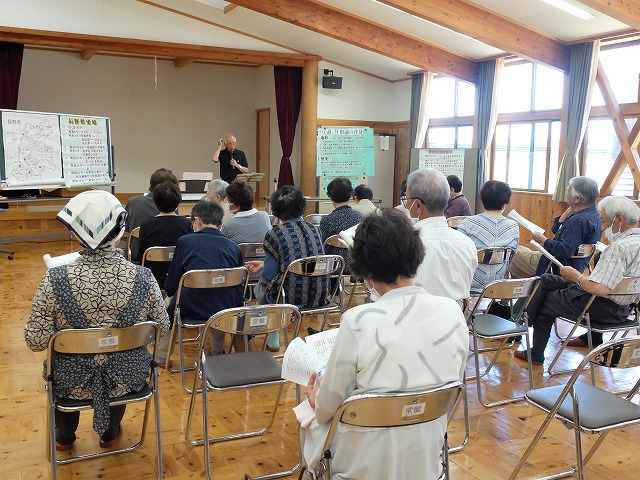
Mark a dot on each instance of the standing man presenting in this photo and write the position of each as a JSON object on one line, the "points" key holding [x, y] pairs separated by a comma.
{"points": [[232, 161]]}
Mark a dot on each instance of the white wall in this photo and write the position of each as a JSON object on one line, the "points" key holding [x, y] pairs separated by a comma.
{"points": [[363, 97], [176, 125]]}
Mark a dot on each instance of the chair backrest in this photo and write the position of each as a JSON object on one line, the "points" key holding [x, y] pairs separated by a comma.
{"points": [[511, 289], [336, 241], [102, 340], [158, 254], [585, 250], [315, 266], [252, 250], [315, 218], [620, 353], [495, 255], [627, 286], [213, 278], [454, 222], [256, 319], [396, 409], [135, 233]]}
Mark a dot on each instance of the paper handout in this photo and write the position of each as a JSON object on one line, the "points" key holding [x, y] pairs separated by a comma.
{"points": [[532, 227], [546, 253], [59, 260], [303, 357]]}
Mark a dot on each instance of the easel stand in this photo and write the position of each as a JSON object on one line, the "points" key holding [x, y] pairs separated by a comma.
{"points": [[249, 177]]}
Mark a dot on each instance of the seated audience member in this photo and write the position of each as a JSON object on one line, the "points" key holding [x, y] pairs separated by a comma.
{"points": [[568, 294], [142, 207], [206, 248], [376, 352], [164, 229], [362, 196], [99, 289], [292, 239], [216, 191], [248, 225], [491, 229], [450, 256], [458, 205], [341, 218], [580, 223]]}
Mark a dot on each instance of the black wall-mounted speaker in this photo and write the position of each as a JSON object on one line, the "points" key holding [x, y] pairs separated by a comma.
{"points": [[332, 82]]}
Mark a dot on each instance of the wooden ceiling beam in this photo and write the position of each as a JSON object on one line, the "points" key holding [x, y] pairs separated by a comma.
{"points": [[348, 28], [87, 54], [182, 62], [628, 153], [152, 48], [625, 11], [489, 27]]}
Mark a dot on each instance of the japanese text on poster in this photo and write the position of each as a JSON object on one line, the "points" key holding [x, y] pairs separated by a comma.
{"points": [[85, 150], [449, 162], [345, 151]]}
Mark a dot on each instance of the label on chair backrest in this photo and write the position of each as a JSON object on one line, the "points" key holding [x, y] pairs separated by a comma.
{"points": [[518, 290], [258, 321], [635, 355], [218, 280], [321, 267], [413, 410], [259, 251], [170, 254], [108, 342]]}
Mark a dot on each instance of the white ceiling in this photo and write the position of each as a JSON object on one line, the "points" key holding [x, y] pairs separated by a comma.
{"points": [[203, 22]]}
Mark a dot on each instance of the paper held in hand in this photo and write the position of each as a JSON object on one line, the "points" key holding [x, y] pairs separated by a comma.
{"points": [[303, 357], [532, 227], [545, 253]]}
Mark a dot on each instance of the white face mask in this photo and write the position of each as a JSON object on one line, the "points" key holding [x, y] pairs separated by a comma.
{"points": [[375, 295], [608, 233]]}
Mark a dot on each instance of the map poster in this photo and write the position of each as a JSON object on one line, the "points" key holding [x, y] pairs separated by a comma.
{"points": [[345, 151], [31, 149], [449, 162], [85, 150]]}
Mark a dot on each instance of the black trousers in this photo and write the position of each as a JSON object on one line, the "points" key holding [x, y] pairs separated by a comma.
{"points": [[67, 424], [556, 297]]}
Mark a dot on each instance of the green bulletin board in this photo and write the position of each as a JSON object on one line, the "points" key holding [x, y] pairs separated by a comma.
{"points": [[345, 152]]}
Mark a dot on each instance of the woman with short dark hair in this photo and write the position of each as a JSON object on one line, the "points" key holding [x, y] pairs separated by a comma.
{"points": [[491, 229], [407, 340], [164, 229], [248, 225]]}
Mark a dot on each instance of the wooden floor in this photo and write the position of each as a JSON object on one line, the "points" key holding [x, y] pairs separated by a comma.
{"points": [[498, 437]]}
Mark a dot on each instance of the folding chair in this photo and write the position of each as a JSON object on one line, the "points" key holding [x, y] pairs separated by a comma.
{"points": [[454, 222], [241, 371], [199, 279], [391, 410], [315, 219], [160, 258], [627, 286], [348, 283], [100, 341], [135, 233], [317, 266], [252, 251], [495, 257], [586, 408], [491, 327]]}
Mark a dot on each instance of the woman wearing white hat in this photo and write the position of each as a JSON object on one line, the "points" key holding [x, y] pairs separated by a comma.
{"points": [[100, 289]]}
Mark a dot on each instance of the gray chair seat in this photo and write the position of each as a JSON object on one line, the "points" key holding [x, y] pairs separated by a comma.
{"points": [[591, 401], [489, 325], [242, 369], [606, 327], [72, 403]]}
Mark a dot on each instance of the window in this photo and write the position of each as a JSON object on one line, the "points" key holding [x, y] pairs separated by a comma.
{"points": [[523, 153], [528, 87], [622, 66], [600, 149], [449, 97], [450, 137]]}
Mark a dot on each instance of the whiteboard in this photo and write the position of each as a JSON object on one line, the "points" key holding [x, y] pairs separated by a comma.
{"points": [[50, 150]]}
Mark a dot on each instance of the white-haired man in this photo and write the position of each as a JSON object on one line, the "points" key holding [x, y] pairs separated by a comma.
{"points": [[569, 293], [450, 256]]}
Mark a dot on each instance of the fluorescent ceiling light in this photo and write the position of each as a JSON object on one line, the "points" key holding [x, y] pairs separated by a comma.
{"points": [[567, 7]]}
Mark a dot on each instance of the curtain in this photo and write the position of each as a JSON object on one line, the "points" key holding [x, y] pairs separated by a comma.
{"points": [[419, 113], [487, 110], [582, 76], [10, 69], [288, 82]]}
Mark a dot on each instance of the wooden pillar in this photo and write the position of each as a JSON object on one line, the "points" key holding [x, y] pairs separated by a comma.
{"points": [[308, 128]]}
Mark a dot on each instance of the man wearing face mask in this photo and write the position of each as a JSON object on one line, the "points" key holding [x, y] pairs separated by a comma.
{"points": [[450, 256], [569, 293], [580, 223]]}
